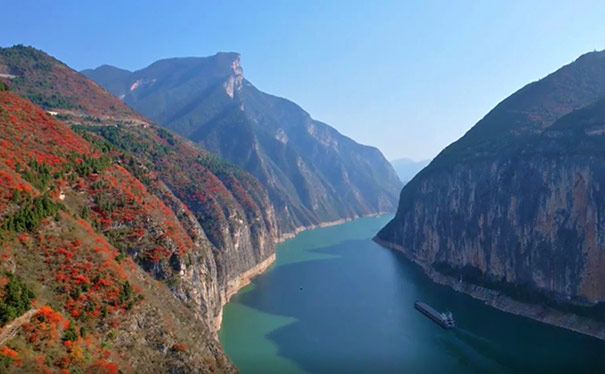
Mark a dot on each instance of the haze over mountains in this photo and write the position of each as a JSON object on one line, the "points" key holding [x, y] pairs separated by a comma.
{"points": [[313, 173], [516, 205], [407, 168]]}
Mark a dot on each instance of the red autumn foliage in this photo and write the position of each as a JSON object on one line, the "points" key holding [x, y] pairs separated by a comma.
{"points": [[11, 354], [103, 367], [179, 347], [47, 138], [6, 351], [49, 314], [84, 277]]}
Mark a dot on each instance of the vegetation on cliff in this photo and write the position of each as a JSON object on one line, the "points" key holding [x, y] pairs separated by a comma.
{"points": [[86, 237], [52, 85], [92, 216]]}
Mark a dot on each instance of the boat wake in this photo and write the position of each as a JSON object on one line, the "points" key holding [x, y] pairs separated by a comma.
{"points": [[480, 350]]}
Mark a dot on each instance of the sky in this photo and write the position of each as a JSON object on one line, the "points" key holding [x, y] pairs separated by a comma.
{"points": [[408, 77]]}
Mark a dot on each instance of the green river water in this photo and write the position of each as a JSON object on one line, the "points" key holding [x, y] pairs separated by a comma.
{"points": [[335, 302]]}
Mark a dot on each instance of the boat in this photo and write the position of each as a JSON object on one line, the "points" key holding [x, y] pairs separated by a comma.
{"points": [[445, 320]]}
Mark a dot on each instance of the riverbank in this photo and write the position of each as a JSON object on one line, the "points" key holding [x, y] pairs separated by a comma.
{"points": [[300, 229], [315, 311], [244, 279], [234, 285], [502, 302]]}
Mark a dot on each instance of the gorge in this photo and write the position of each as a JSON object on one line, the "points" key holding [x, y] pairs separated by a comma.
{"points": [[136, 234]]}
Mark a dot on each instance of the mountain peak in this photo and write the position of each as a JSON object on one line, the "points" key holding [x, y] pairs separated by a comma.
{"points": [[313, 173], [228, 55], [221, 63], [234, 82], [222, 70], [111, 68]]}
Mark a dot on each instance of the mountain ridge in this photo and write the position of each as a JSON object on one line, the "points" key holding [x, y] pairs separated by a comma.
{"points": [[295, 157]]}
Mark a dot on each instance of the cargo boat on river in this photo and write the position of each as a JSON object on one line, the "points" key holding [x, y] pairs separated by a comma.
{"points": [[445, 320]]}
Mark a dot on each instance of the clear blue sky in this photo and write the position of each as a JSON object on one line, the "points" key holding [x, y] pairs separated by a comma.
{"points": [[408, 77]]}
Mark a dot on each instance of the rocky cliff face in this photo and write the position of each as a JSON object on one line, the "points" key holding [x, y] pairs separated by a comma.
{"points": [[225, 210], [516, 205], [313, 173]]}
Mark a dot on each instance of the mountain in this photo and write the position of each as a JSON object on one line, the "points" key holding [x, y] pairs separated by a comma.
{"points": [[72, 298], [313, 174], [512, 212], [51, 84], [130, 234], [407, 168]]}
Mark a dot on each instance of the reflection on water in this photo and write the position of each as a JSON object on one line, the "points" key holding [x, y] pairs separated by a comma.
{"points": [[336, 302]]}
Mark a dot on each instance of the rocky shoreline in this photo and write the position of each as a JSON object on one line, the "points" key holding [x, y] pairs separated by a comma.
{"points": [[237, 284], [244, 279], [300, 229], [502, 302]]}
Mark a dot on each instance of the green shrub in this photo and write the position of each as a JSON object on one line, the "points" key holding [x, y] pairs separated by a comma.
{"points": [[31, 213], [38, 174], [70, 334], [16, 301], [126, 292]]}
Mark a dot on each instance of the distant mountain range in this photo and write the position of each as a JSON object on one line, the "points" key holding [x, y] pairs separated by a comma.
{"points": [[313, 174], [516, 206], [407, 168]]}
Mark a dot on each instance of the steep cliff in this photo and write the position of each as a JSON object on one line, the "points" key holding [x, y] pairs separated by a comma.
{"points": [[224, 209], [313, 173], [516, 205]]}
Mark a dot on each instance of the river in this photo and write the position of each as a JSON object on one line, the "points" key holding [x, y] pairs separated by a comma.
{"points": [[336, 302]]}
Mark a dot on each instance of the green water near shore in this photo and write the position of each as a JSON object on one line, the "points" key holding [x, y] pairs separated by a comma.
{"points": [[335, 302]]}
